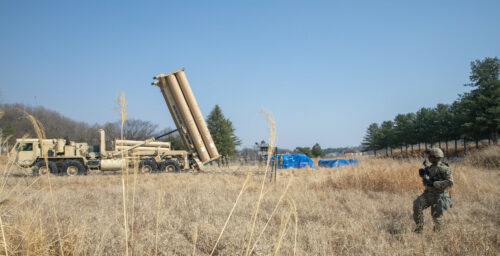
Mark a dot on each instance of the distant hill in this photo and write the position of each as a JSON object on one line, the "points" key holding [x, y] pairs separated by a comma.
{"points": [[56, 125]]}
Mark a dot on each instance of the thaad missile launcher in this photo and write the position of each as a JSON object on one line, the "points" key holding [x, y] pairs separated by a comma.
{"points": [[72, 158], [187, 115]]}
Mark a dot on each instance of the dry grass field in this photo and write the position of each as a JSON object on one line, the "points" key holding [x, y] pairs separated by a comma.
{"points": [[357, 210]]}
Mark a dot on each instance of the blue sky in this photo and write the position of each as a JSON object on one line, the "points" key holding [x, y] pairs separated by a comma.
{"points": [[325, 69]]}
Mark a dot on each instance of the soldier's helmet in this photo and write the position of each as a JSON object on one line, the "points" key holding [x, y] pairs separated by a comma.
{"points": [[435, 152]]}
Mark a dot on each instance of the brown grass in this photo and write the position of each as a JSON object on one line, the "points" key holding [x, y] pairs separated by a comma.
{"points": [[40, 133], [488, 158], [362, 210], [354, 210]]}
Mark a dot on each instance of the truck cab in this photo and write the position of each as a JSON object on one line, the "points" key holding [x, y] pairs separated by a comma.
{"points": [[26, 151]]}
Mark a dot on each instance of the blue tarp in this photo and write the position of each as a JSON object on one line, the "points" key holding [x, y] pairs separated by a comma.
{"points": [[294, 161], [353, 161], [337, 162]]}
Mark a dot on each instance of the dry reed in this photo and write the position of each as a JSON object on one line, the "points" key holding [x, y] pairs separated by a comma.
{"points": [[271, 216], [243, 187], [283, 228], [158, 207], [296, 220], [134, 189], [122, 104], [40, 133], [195, 239], [3, 238], [270, 149]]}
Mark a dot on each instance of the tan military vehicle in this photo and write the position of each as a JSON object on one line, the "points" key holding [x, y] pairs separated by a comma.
{"points": [[72, 158], [62, 154]]}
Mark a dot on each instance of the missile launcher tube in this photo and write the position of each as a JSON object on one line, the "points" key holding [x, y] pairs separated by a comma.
{"points": [[187, 117], [120, 148], [149, 144], [162, 83], [197, 116]]}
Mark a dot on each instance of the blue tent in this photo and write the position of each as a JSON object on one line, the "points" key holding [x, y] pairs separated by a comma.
{"points": [[337, 162], [353, 161], [295, 161]]}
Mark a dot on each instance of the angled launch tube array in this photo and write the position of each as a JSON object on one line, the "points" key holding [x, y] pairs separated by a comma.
{"points": [[186, 114]]}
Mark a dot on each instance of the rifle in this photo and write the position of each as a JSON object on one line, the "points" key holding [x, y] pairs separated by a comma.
{"points": [[424, 173]]}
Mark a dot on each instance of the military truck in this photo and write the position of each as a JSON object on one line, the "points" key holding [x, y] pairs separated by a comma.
{"points": [[72, 158]]}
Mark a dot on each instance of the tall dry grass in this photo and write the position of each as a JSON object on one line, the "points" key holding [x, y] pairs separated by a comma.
{"points": [[40, 133], [488, 157], [353, 210], [122, 105], [270, 150], [360, 210]]}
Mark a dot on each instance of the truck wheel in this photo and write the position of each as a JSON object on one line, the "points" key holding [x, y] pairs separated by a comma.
{"points": [[41, 169], [73, 167], [170, 166], [147, 166]]}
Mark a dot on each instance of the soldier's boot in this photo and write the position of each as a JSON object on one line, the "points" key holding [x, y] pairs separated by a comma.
{"points": [[438, 225]]}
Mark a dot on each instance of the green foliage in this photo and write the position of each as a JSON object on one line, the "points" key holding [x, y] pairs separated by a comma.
{"points": [[483, 101], [387, 134], [176, 142], [304, 150], [425, 125], [456, 129], [222, 132], [443, 121], [484, 72], [372, 141], [475, 115], [317, 151], [9, 129], [404, 130]]}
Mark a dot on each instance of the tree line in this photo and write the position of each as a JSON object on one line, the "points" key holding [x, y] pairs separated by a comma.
{"points": [[13, 125], [474, 116], [315, 151]]}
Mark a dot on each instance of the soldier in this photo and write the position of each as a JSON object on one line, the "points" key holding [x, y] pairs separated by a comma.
{"points": [[437, 178]]}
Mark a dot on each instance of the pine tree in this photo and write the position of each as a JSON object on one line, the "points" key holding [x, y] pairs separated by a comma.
{"points": [[485, 97], [222, 132], [317, 151], [371, 141]]}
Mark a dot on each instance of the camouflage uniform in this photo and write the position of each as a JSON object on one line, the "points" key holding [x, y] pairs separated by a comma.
{"points": [[434, 196]]}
